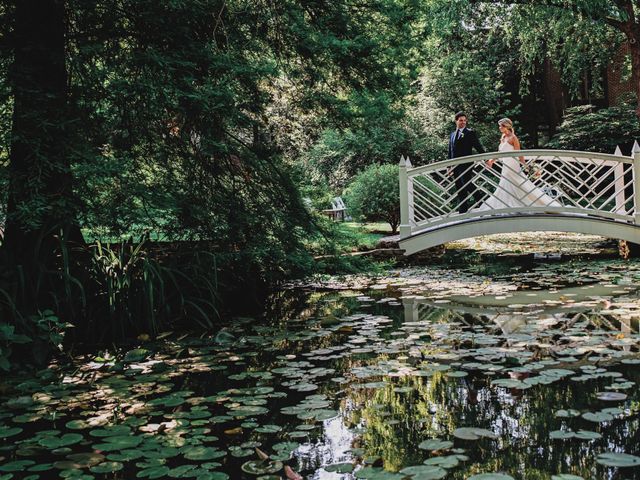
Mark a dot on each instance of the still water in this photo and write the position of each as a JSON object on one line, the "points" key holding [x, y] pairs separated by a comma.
{"points": [[506, 368]]}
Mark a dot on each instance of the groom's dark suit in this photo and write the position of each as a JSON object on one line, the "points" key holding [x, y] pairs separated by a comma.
{"points": [[461, 145]]}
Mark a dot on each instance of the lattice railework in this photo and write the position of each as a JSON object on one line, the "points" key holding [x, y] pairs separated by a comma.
{"points": [[612, 324], [562, 183], [602, 186]]}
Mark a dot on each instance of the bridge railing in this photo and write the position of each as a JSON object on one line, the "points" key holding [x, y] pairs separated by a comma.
{"points": [[522, 182]]}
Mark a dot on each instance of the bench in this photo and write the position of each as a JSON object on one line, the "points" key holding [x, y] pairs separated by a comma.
{"points": [[338, 210]]}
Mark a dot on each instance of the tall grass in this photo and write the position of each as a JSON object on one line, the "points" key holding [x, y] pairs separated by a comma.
{"points": [[139, 290], [109, 293]]}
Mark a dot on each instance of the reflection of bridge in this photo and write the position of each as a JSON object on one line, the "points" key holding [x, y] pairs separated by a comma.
{"points": [[596, 194], [503, 312]]}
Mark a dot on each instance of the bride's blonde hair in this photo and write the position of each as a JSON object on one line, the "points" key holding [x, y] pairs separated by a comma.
{"points": [[507, 123]]}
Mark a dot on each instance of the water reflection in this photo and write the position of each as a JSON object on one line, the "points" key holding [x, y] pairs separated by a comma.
{"points": [[365, 377], [402, 411]]}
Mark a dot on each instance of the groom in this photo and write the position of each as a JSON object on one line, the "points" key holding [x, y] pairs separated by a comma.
{"points": [[461, 144]]}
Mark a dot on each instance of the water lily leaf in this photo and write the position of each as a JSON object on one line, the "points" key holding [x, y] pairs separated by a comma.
{"points": [[597, 417], [473, 433], [181, 472], [612, 459], [561, 434], [6, 432], [153, 472], [268, 429], [118, 442], [204, 453], [611, 396], [510, 383], [63, 441], [107, 467], [567, 413], [425, 472], [212, 475], [42, 467], [16, 466], [136, 355], [435, 444], [374, 473], [449, 461], [587, 435], [87, 459], [125, 455], [77, 425], [111, 431], [491, 476], [259, 467], [340, 468]]}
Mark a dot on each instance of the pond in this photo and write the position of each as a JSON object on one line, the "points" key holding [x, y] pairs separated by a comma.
{"points": [[505, 368]]}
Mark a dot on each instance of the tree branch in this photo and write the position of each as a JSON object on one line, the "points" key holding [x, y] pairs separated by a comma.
{"points": [[574, 7]]}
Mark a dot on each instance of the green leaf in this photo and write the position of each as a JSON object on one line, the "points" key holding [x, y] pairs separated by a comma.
{"points": [[612, 459]]}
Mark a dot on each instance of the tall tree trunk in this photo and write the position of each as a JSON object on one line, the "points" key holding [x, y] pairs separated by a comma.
{"points": [[40, 201], [631, 29], [634, 51]]}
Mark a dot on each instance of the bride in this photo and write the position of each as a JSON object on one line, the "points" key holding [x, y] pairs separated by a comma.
{"points": [[514, 188]]}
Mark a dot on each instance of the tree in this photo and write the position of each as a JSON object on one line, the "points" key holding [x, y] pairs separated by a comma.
{"points": [[590, 129], [374, 195], [575, 29], [41, 210], [137, 116]]}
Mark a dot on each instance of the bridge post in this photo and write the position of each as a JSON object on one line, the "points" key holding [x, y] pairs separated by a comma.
{"points": [[406, 191], [618, 184], [636, 185]]}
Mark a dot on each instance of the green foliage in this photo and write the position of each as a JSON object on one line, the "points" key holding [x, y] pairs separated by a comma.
{"points": [[9, 338], [597, 130], [173, 113], [374, 195], [140, 290], [44, 332], [467, 67], [376, 134], [592, 44]]}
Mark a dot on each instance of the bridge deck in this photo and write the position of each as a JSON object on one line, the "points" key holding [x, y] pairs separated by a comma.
{"points": [[577, 192]]}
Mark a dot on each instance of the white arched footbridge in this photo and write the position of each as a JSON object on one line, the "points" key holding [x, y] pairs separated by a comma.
{"points": [[593, 193]]}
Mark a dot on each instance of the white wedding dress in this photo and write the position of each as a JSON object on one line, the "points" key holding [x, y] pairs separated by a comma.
{"points": [[514, 189]]}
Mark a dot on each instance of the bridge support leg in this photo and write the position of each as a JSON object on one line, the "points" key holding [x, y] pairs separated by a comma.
{"points": [[406, 195], [636, 186]]}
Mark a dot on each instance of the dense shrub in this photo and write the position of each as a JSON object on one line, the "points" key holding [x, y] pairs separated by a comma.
{"points": [[597, 130], [374, 195]]}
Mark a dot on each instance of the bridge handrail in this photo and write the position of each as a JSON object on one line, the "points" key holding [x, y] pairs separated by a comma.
{"points": [[432, 194], [563, 154]]}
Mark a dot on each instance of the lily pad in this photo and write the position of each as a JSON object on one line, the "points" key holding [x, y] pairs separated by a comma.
{"points": [[153, 472], [259, 467], [614, 459], [203, 453], [473, 433], [340, 468], [16, 466], [611, 396], [63, 441], [107, 467], [6, 432], [491, 476], [435, 444], [597, 417]]}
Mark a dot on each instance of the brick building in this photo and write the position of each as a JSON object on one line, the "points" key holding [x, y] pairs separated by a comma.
{"points": [[542, 113]]}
